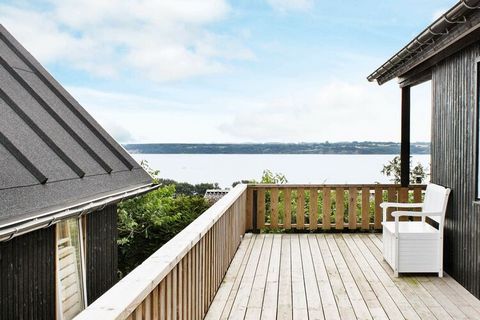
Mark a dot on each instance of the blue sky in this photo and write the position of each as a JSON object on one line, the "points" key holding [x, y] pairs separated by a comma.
{"points": [[229, 71]]}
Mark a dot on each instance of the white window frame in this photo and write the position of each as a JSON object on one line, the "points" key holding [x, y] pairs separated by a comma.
{"points": [[82, 265]]}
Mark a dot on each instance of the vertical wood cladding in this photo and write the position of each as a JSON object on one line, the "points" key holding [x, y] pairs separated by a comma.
{"points": [[27, 276], [454, 114], [101, 249]]}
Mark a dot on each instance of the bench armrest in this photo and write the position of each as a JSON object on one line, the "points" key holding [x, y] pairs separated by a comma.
{"points": [[385, 205], [415, 214]]}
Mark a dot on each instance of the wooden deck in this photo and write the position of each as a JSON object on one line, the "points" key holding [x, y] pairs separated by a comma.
{"points": [[331, 276]]}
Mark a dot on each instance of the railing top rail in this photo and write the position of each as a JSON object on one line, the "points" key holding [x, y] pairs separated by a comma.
{"points": [[349, 185], [122, 299]]}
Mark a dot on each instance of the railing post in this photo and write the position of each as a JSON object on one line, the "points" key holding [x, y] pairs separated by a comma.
{"points": [[255, 212]]}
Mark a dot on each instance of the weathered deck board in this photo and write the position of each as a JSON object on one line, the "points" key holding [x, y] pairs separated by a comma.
{"points": [[341, 276]]}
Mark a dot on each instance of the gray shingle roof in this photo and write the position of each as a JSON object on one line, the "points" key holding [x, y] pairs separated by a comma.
{"points": [[53, 154]]}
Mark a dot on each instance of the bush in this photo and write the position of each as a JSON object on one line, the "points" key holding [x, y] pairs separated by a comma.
{"points": [[148, 222]]}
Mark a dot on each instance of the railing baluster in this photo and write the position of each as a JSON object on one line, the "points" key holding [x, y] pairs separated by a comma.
{"points": [[417, 198], [327, 208], [352, 208], [287, 220], [365, 208], [248, 223], [169, 296], [163, 292], [392, 197], [378, 210], [313, 215], [261, 209], [155, 304], [300, 208], [339, 209], [403, 197], [274, 208]]}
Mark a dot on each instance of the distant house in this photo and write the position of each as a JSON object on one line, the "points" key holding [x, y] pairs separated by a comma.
{"points": [[448, 53], [213, 195], [61, 176]]}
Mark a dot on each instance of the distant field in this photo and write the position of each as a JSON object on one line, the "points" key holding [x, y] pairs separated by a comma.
{"points": [[278, 148]]}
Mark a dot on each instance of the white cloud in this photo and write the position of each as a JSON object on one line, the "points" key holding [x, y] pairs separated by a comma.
{"points": [[161, 40], [339, 111], [119, 132], [291, 5]]}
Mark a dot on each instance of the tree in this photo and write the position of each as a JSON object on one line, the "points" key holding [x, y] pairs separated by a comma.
{"points": [[393, 169], [268, 177]]}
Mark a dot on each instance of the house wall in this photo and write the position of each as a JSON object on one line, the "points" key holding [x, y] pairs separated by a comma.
{"points": [[101, 249], [27, 267], [454, 114], [27, 276]]}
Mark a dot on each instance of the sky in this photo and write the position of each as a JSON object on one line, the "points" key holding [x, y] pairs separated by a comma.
{"points": [[212, 71]]}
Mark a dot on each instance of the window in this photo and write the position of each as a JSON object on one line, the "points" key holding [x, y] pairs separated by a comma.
{"points": [[71, 294]]}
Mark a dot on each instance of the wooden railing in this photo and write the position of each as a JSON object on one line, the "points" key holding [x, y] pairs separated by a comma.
{"points": [[180, 280], [327, 207]]}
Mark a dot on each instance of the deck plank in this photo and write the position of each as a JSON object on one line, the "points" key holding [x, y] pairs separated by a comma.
{"points": [[422, 301], [236, 285], [412, 296], [358, 303], [299, 299], [387, 302], [270, 300], [455, 286], [387, 280], [255, 300], [223, 293], [284, 309], [323, 282], [343, 302], [239, 307], [330, 276], [314, 303], [373, 304]]}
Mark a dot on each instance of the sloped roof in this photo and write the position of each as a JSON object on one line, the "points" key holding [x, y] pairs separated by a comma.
{"points": [[53, 154]]}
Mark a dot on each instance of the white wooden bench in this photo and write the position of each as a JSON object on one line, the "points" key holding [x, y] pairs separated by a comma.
{"points": [[416, 246]]}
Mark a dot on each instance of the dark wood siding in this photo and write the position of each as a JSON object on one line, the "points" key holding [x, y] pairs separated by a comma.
{"points": [[27, 276], [102, 258], [454, 114]]}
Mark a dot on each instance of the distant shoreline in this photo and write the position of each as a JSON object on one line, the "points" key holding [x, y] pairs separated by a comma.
{"points": [[277, 148]]}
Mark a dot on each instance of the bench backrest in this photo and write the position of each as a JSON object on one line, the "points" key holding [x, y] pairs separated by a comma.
{"points": [[436, 199]]}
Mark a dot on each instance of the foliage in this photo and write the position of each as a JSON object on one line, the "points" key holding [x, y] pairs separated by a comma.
{"points": [[187, 189], [268, 177], [146, 223], [393, 168]]}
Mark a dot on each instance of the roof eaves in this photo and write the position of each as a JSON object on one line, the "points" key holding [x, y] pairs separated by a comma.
{"points": [[441, 28]]}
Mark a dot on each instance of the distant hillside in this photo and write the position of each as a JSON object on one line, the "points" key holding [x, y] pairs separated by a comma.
{"points": [[279, 148]]}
